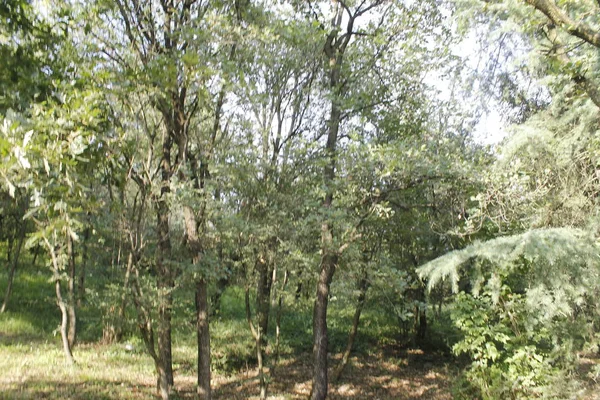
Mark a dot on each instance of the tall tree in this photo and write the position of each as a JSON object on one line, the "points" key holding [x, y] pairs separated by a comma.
{"points": [[361, 42]]}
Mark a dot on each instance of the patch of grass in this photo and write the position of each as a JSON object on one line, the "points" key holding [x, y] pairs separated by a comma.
{"points": [[101, 372], [35, 366], [32, 312]]}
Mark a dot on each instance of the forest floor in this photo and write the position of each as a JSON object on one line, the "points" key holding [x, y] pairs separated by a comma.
{"points": [[390, 374], [34, 370], [32, 364]]}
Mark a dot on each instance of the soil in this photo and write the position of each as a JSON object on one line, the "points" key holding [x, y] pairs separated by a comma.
{"points": [[389, 374]]}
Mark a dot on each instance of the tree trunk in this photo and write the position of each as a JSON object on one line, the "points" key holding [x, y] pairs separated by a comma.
{"points": [[146, 330], [263, 297], [201, 301], [165, 281], [9, 247], [64, 323], [256, 333], [61, 304], [82, 267], [13, 268], [421, 317], [72, 331], [278, 321], [123, 306], [204, 390], [35, 255], [320, 338], [363, 285], [164, 332]]}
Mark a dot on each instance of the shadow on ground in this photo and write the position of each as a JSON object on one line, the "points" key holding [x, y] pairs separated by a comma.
{"points": [[92, 390]]}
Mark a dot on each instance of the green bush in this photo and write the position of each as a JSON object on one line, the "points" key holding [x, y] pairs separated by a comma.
{"points": [[512, 356]]}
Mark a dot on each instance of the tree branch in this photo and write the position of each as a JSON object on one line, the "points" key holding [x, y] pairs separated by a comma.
{"points": [[562, 19]]}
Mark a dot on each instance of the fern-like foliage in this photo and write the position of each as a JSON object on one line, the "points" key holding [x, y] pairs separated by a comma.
{"points": [[555, 258]]}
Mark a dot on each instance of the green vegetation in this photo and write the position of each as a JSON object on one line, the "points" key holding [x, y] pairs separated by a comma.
{"points": [[291, 199]]}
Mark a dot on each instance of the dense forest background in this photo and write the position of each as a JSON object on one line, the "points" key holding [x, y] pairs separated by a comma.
{"points": [[292, 199]]}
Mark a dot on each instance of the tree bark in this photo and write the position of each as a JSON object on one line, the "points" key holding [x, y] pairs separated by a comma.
{"points": [[201, 301], [263, 297], [320, 338], [560, 18], [165, 281]]}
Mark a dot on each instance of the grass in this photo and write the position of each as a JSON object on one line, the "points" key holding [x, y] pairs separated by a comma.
{"points": [[34, 367]]}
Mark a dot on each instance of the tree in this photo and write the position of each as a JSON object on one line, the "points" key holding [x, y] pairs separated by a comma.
{"points": [[357, 54]]}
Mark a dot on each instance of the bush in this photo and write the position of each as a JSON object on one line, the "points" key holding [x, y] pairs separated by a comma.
{"points": [[512, 356]]}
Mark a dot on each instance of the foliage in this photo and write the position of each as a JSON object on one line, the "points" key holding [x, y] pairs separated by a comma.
{"points": [[529, 305]]}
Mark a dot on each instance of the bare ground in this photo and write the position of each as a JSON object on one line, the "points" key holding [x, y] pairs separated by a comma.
{"points": [[406, 374]]}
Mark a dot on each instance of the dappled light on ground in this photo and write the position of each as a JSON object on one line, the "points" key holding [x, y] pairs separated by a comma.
{"points": [[37, 371]]}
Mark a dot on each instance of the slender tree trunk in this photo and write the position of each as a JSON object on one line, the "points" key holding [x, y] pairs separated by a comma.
{"points": [[320, 337], [204, 374], [329, 262], [201, 300], [146, 329], [263, 297], [13, 268], [114, 331], [123, 306], [363, 285], [35, 255], [164, 332], [72, 331], [334, 49], [164, 271], [82, 267], [64, 323], [9, 248], [256, 333], [278, 321], [421, 317]]}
